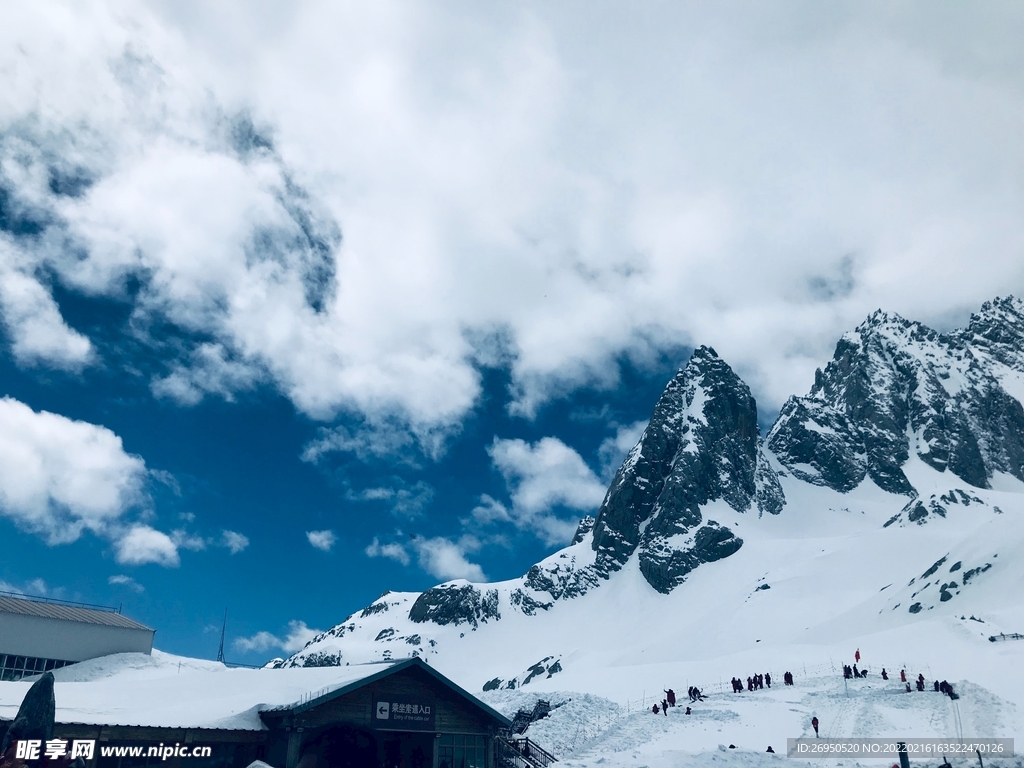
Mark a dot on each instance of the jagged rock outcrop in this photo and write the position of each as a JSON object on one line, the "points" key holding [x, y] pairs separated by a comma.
{"points": [[894, 387], [701, 444], [455, 604], [895, 393]]}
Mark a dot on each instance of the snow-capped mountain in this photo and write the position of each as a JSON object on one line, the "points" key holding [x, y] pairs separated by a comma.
{"points": [[711, 541]]}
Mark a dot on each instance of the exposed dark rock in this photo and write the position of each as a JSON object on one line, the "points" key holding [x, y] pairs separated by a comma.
{"points": [[915, 608], [895, 386], [35, 715], [935, 566], [701, 444], [586, 526], [384, 634], [455, 604], [970, 574], [493, 685]]}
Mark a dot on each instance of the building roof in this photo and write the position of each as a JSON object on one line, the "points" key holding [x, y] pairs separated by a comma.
{"points": [[66, 612], [135, 689], [391, 669]]}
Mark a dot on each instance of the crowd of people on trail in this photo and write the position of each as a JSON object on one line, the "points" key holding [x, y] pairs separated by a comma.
{"points": [[756, 682], [849, 671], [920, 684]]}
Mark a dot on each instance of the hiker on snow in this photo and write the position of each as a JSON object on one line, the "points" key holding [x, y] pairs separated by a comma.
{"points": [[814, 725], [768, 679], [856, 655], [671, 696], [687, 710], [655, 709], [885, 676], [937, 689], [903, 675], [664, 707]]}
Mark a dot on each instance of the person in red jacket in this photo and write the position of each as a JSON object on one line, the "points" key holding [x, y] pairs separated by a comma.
{"points": [[903, 675], [814, 725]]}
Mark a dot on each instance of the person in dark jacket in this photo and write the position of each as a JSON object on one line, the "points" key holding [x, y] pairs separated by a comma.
{"points": [[814, 725], [655, 709], [664, 707], [937, 686], [903, 675], [768, 679], [670, 696], [885, 675], [687, 710]]}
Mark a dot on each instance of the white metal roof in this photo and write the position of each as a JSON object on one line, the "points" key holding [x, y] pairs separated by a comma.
{"points": [[66, 612]]}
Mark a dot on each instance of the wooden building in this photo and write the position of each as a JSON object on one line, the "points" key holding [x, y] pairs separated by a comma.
{"points": [[400, 715]]}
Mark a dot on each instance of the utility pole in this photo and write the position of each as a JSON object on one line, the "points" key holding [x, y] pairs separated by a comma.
{"points": [[223, 629]]}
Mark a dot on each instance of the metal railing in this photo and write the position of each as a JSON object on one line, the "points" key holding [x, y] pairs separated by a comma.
{"points": [[58, 601], [522, 753]]}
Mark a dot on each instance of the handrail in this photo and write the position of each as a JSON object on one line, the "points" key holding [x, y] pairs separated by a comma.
{"points": [[58, 601]]}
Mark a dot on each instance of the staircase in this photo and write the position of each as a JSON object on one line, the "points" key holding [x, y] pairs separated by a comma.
{"points": [[521, 753]]}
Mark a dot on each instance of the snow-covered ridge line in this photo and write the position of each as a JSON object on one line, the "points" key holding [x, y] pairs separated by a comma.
{"points": [[908, 448]]}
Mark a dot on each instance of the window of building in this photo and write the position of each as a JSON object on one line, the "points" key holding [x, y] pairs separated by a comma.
{"points": [[16, 667], [455, 750]]}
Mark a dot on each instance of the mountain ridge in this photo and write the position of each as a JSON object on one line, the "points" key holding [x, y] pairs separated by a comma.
{"points": [[906, 424]]}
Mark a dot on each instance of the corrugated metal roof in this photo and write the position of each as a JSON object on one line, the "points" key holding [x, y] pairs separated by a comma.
{"points": [[67, 613]]}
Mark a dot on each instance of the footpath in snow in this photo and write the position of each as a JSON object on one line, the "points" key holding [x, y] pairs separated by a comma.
{"points": [[584, 730]]}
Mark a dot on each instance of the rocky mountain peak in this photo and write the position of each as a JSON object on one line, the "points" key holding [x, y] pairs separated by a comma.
{"points": [[702, 444], [895, 386]]}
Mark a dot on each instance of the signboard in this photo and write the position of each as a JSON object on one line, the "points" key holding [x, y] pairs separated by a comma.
{"points": [[402, 714]]}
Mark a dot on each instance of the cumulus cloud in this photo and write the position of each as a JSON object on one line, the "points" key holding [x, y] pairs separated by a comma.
{"points": [[322, 540], [234, 541], [542, 478], [547, 192], [142, 544], [441, 557], [613, 449], [392, 551], [33, 588], [403, 499], [296, 638], [60, 477], [121, 580], [446, 559]]}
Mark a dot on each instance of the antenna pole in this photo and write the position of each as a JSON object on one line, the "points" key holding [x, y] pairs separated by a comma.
{"points": [[223, 629]]}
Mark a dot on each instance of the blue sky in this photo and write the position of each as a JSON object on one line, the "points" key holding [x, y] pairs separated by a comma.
{"points": [[239, 466], [303, 304]]}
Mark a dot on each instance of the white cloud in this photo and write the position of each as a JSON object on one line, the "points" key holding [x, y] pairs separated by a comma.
{"points": [[392, 551], [141, 544], [613, 449], [541, 478], [295, 640], [121, 580], [446, 559], [578, 188], [404, 500], [34, 588], [322, 540], [190, 541], [438, 556], [59, 477], [234, 541], [260, 642], [33, 320]]}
